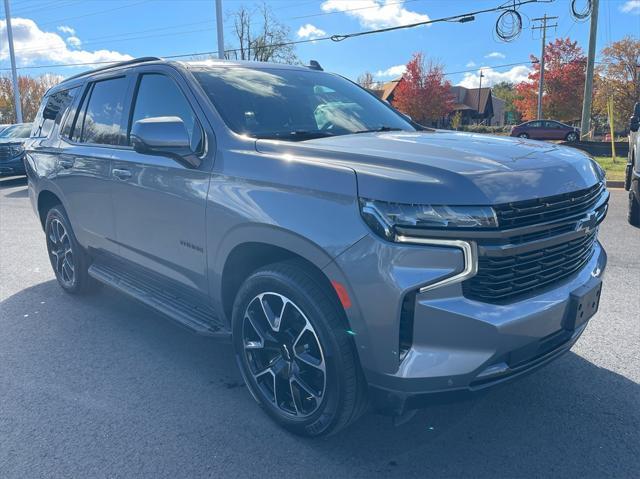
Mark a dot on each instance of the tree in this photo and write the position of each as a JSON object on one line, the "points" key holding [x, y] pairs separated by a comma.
{"points": [[618, 78], [563, 83], [507, 91], [456, 120], [423, 93], [366, 80], [31, 92], [269, 41]]}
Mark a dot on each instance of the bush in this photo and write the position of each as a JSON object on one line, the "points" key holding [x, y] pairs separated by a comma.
{"points": [[493, 130]]}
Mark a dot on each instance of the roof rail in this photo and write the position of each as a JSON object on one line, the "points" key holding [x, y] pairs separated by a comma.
{"points": [[114, 65]]}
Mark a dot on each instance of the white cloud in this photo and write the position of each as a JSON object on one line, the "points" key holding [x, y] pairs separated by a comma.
{"points": [[495, 55], [631, 6], [34, 45], [66, 29], [310, 31], [391, 72], [375, 13], [490, 77], [471, 64], [74, 42]]}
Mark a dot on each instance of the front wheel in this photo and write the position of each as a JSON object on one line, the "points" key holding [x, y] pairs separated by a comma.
{"points": [[294, 352], [571, 137], [523, 135]]}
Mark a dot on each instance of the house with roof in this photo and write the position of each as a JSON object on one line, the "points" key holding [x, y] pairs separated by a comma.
{"points": [[476, 105]]}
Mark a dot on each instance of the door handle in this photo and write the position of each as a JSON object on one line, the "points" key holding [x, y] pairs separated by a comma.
{"points": [[121, 174], [66, 163]]}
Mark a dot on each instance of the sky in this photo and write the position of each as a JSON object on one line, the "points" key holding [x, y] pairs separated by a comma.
{"points": [[48, 33]]}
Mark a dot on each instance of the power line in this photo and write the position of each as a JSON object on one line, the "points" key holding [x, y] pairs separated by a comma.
{"points": [[508, 6]]}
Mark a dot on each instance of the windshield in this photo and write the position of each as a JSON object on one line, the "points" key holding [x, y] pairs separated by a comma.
{"points": [[17, 131], [294, 104]]}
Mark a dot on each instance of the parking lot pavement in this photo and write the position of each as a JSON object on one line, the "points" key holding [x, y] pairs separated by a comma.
{"points": [[102, 387]]}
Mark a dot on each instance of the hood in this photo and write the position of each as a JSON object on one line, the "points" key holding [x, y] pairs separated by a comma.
{"points": [[445, 167]]}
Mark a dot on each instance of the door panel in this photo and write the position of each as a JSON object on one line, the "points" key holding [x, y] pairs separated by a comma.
{"points": [[159, 208]]}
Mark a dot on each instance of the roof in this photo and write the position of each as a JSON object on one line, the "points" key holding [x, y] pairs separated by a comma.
{"points": [[388, 88], [187, 64]]}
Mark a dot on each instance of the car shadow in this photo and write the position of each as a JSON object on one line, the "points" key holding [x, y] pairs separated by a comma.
{"points": [[571, 418]]}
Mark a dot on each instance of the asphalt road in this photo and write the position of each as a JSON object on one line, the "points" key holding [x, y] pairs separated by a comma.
{"points": [[102, 387]]}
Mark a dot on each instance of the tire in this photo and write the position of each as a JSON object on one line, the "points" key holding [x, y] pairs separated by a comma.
{"points": [[633, 214], [571, 137], [523, 135], [273, 354], [68, 259]]}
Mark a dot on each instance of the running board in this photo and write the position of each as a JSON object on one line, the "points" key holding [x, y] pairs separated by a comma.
{"points": [[189, 312]]}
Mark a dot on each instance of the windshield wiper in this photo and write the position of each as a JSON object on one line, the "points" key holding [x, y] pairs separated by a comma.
{"points": [[295, 135], [378, 130]]}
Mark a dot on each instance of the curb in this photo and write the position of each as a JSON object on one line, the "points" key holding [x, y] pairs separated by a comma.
{"points": [[615, 184]]}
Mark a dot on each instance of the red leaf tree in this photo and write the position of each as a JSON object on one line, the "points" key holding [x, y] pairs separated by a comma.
{"points": [[423, 93], [563, 83]]}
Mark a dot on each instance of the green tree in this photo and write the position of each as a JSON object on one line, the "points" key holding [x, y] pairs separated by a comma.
{"points": [[507, 91]]}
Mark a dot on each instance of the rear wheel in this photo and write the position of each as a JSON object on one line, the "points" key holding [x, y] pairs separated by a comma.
{"points": [[294, 353], [68, 260], [523, 135], [633, 214], [573, 136]]}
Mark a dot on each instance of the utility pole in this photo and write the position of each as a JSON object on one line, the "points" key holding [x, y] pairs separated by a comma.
{"points": [[543, 27], [219, 29], [12, 54], [585, 124], [479, 95]]}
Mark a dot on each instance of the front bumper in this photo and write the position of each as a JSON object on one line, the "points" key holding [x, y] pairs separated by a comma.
{"points": [[13, 166], [460, 347]]}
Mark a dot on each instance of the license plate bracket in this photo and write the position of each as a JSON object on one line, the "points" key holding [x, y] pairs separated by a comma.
{"points": [[583, 304]]}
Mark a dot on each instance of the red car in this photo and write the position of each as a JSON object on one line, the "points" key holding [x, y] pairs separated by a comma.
{"points": [[546, 130]]}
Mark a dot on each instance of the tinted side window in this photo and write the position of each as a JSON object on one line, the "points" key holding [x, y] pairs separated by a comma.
{"points": [[101, 120], [158, 95], [535, 124], [52, 111]]}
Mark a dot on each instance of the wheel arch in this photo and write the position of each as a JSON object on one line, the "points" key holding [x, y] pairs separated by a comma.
{"points": [[250, 247], [46, 200]]}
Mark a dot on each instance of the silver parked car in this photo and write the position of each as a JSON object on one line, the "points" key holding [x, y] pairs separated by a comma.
{"points": [[353, 257]]}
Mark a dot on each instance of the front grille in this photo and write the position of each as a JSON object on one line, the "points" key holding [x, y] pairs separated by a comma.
{"points": [[544, 246], [551, 208], [5, 154], [504, 278]]}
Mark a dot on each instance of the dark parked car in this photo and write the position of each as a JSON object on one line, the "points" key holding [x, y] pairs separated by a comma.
{"points": [[348, 253], [632, 177], [12, 140], [546, 130]]}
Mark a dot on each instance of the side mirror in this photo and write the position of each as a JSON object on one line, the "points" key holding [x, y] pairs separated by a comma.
{"points": [[634, 123], [164, 136]]}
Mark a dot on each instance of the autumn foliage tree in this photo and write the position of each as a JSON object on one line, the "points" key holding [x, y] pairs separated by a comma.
{"points": [[563, 83], [618, 79], [31, 92], [423, 93]]}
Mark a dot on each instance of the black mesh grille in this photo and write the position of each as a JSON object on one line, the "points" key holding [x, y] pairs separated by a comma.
{"points": [[547, 229], [5, 154], [503, 278], [551, 208]]}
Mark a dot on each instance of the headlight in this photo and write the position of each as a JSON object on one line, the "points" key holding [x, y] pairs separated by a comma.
{"points": [[383, 217], [16, 150]]}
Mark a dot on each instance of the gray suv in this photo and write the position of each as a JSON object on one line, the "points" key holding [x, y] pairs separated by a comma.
{"points": [[353, 258]]}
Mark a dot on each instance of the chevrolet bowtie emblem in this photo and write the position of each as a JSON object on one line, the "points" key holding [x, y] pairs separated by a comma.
{"points": [[588, 223]]}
